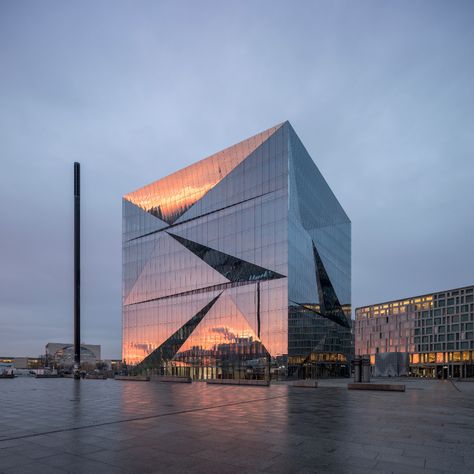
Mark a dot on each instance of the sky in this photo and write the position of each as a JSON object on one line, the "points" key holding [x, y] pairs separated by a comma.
{"points": [[380, 92]]}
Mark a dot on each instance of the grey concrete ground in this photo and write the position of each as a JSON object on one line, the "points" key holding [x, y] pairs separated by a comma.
{"points": [[61, 425]]}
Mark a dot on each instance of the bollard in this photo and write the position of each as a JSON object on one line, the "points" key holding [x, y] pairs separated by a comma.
{"points": [[357, 369], [365, 370]]}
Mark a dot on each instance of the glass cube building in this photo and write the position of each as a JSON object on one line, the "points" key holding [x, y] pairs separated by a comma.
{"points": [[238, 266]]}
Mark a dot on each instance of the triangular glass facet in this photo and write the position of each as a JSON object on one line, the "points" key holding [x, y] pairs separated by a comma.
{"points": [[167, 350], [232, 268], [329, 304], [135, 256], [175, 311], [170, 197], [137, 222], [319, 208], [218, 338], [263, 171], [166, 253], [246, 300]]}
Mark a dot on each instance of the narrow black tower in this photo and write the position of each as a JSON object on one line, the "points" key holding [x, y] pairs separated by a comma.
{"points": [[77, 268]]}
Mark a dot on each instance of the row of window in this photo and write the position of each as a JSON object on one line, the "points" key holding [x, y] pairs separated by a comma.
{"points": [[455, 292], [442, 346], [444, 337], [442, 357], [444, 320], [444, 328], [464, 308], [453, 302], [452, 298]]}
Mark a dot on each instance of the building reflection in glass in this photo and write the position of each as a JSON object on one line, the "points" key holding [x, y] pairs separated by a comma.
{"points": [[237, 266]]}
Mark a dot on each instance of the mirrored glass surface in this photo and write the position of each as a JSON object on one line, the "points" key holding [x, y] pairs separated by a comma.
{"points": [[238, 266]]}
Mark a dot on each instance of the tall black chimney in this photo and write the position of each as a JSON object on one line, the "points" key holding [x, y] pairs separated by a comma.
{"points": [[77, 269]]}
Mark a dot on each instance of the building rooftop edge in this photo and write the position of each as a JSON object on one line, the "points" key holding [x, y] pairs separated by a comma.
{"points": [[276, 127], [414, 296]]}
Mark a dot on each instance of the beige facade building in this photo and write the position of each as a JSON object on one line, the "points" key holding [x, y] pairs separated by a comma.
{"points": [[435, 330]]}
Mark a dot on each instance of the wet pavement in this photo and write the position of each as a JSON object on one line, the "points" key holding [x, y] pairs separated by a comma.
{"points": [[62, 425]]}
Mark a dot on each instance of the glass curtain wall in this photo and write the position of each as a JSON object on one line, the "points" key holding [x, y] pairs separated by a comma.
{"points": [[238, 267], [205, 291], [319, 272]]}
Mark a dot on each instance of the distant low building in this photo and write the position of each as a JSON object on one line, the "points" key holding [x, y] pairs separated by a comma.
{"points": [[22, 362], [434, 330], [6, 368], [62, 354]]}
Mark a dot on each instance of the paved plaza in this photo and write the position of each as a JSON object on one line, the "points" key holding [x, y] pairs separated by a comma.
{"points": [[62, 425]]}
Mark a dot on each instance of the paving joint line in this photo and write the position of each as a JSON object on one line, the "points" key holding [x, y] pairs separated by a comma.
{"points": [[140, 418], [455, 386]]}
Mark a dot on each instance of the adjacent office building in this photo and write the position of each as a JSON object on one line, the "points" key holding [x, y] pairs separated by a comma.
{"points": [[429, 335], [239, 266]]}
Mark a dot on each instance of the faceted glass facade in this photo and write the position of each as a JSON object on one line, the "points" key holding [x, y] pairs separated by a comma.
{"points": [[238, 266]]}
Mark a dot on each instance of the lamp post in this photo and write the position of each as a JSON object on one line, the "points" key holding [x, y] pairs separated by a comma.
{"points": [[77, 270]]}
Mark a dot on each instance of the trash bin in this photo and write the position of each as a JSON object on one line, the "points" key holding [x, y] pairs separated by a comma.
{"points": [[365, 370]]}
